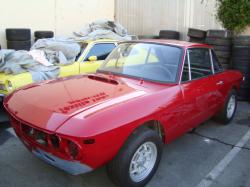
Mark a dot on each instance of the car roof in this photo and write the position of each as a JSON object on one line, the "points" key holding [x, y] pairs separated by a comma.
{"points": [[179, 43]]}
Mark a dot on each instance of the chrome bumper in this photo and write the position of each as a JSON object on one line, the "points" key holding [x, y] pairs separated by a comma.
{"points": [[73, 168]]}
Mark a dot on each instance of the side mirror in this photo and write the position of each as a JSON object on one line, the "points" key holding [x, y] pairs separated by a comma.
{"points": [[92, 58]]}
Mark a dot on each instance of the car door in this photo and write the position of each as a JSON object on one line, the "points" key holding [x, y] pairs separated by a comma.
{"points": [[98, 50], [68, 70], [222, 82], [198, 87]]}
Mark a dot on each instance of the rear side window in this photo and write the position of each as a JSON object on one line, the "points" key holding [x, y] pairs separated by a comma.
{"points": [[217, 65], [185, 72], [101, 51], [200, 62]]}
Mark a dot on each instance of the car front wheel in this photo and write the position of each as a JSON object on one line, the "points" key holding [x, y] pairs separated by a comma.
{"points": [[138, 159]]}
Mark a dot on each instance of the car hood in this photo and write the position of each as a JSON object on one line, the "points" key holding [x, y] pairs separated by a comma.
{"points": [[48, 105]]}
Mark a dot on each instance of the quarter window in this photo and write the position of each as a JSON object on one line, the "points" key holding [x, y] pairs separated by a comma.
{"points": [[185, 72], [200, 63], [217, 65], [101, 51]]}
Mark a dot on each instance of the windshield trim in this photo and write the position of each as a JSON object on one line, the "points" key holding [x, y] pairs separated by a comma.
{"points": [[141, 78]]}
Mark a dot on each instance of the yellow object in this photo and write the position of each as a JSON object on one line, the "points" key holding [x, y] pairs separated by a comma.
{"points": [[10, 82], [92, 58]]}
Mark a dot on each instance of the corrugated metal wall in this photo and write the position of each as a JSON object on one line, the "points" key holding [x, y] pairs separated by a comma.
{"points": [[150, 16]]}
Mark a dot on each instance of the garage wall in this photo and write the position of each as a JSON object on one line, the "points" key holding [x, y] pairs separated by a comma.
{"points": [[61, 16], [150, 16]]}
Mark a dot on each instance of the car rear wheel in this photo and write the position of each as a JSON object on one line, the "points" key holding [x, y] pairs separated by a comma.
{"points": [[229, 109], [138, 160]]}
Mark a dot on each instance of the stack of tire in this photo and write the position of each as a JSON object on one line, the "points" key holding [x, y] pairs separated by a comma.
{"points": [[18, 39], [241, 62], [196, 35], [221, 40], [169, 34], [43, 34]]}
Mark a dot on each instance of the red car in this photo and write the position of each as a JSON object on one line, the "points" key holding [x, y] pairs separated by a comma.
{"points": [[145, 94]]}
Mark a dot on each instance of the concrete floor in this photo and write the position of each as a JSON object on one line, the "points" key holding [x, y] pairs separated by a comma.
{"points": [[185, 162]]}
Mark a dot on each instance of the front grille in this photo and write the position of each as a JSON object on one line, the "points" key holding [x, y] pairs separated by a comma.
{"points": [[51, 142], [37, 135]]}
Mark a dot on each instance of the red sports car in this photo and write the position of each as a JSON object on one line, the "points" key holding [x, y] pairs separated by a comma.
{"points": [[145, 94]]}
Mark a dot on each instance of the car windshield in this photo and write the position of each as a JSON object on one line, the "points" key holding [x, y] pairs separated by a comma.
{"points": [[148, 61]]}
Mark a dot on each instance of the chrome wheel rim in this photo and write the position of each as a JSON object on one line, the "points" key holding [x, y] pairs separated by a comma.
{"points": [[143, 161], [231, 106]]}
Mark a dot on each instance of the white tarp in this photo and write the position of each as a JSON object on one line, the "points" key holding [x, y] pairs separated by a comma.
{"points": [[42, 61], [103, 29], [47, 54]]}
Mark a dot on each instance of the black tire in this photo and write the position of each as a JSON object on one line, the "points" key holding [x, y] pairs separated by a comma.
{"points": [[224, 60], [222, 116], [44, 34], [141, 37], [196, 40], [169, 34], [222, 48], [196, 33], [18, 34], [19, 45], [243, 68], [226, 66], [241, 62], [219, 34], [118, 168], [244, 93], [242, 41], [222, 54], [241, 52], [218, 41]]}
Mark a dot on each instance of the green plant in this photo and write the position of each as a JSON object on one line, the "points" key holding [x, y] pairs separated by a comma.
{"points": [[234, 14]]}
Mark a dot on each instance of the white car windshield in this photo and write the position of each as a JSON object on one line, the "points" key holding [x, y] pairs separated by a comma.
{"points": [[147, 61]]}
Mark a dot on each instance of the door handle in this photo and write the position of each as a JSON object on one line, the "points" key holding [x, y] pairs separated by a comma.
{"points": [[220, 83]]}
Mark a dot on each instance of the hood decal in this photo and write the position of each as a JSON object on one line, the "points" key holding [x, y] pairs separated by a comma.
{"points": [[79, 103]]}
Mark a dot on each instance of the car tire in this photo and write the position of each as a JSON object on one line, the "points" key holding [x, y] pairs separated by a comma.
{"points": [[219, 34], [120, 168], [19, 45], [242, 41], [218, 41], [43, 34], [223, 60], [141, 37], [196, 33], [169, 34], [226, 66], [241, 52], [18, 34], [223, 54], [222, 48], [196, 40], [228, 111]]}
